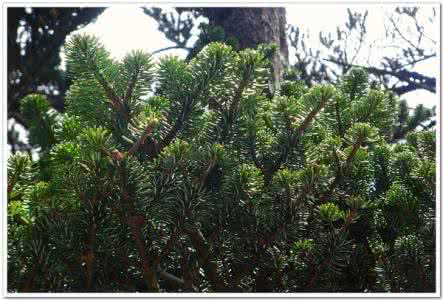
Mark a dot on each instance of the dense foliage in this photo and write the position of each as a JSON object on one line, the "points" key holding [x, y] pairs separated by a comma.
{"points": [[184, 176]]}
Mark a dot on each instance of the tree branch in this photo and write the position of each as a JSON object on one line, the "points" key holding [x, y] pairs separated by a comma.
{"points": [[143, 137], [294, 139], [168, 247], [204, 257], [414, 80], [135, 222], [170, 48], [342, 171]]}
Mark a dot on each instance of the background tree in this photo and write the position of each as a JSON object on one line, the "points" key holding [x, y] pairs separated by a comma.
{"points": [[404, 32], [240, 27], [35, 38], [405, 38], [405, 43]]}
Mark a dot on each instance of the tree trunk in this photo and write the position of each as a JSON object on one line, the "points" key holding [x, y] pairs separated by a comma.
{"points": [[252, 26]]}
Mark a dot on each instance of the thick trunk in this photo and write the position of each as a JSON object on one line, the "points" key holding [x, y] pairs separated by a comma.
{"points": [[252, 26]]}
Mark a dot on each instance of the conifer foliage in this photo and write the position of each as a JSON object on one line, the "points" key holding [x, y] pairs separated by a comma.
{"points": [[189, 176]]}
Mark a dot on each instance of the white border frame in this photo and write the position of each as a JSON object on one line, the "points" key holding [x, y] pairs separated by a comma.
{"points": [[203, 3]]}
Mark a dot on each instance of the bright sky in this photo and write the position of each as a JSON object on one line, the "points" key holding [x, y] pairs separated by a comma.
{"points": [[123, 28]]}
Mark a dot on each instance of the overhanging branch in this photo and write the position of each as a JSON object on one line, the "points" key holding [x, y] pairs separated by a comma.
{"points": [[414, 80]]}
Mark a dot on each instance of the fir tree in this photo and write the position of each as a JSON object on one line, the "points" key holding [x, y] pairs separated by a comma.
{"points": [[188, 176]]}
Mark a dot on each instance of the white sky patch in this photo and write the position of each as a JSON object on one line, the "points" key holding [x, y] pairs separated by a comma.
{"points": [[125, 28]]}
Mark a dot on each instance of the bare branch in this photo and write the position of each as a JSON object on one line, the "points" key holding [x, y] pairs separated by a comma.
{"points": [[170, 48], [414, 80]]}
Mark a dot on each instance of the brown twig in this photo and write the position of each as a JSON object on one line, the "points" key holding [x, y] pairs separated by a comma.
{"points": [[143, 137]]}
